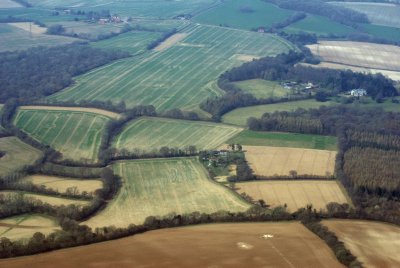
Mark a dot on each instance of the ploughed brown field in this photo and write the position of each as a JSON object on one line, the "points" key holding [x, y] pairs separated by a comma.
{"points": [[375, 244], [284, 244]]}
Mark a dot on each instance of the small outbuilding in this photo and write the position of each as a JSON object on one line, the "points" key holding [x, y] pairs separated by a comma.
{"points": [[359, 92]]}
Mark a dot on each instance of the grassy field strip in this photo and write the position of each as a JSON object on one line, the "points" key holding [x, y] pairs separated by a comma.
{"points": [[162, 186], [109, 114], [55, 201], [358, 54], [61, 184], [376, 244], [177, 77], [24, 226], [279, 161], [75, 133], [205, 245], [18, 154], [263, 88], [153, 133], [295, 194]]}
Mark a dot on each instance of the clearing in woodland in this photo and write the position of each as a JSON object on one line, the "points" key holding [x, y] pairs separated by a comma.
{"points": [[162, 186], [147, 134], [261, 88], [62, 184], [375, 244], [181, 76], [282, 161], [75, 134], [25, 226], [295, 194], [211, 245], [17, 155], [52, 200]]}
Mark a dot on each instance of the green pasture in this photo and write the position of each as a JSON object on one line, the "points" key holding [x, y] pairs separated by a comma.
{"points": [[160, 187], [44, 15], [260, 88], [147, 134], [386, 32]]}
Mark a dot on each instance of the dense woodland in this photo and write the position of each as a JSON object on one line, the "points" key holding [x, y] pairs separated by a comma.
{"points": [[41, 71]]}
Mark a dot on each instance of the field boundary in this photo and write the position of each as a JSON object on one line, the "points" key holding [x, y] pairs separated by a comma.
{"points": [[97, 111]]}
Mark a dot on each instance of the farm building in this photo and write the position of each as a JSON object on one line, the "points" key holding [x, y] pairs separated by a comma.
{"points": [[359, 92]]}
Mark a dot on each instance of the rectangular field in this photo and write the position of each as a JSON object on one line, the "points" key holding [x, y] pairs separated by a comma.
{"points": [[206, 245], [260, 88], [280, 161], [181, 76], [162, 186], [147, 134], [280, 139], [375, 244], [75, 134], [25, 226], [18, 154], [295, 194], [239, 116]]}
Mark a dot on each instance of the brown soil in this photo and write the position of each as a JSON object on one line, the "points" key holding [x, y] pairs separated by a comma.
{"points": [[169, 42]]}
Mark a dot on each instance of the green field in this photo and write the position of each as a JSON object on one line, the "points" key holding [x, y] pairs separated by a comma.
{"points": [[319, 25], [163, 186], [147, 134], [239, 116], [133, 42], [18, 154], [386, 32], [260, 88], [77, 135], [181, 76], [280, 139], [44, 15], [378, 13], [230, 13], [13, 38]]}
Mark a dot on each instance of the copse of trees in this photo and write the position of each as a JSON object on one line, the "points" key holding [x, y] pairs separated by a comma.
{"points": [[42, 71]]}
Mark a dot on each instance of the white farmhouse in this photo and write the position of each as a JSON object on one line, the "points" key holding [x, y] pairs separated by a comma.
{"points": [[359, 92]]}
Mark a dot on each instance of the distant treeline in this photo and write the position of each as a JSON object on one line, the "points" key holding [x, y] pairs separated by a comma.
{"points": [[41, 71], [336, 13]]}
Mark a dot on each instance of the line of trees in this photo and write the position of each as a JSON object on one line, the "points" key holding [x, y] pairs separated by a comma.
{"points": [[155, 43]]}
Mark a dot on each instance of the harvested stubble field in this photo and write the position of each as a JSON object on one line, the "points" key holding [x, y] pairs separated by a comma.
{"points": [[163, 186], [147, 134], [61, 184], [279, 161], [179, 77], [76, 134], [24, 226], [212, 245], [18, 154], [52, 200], [375, 244], [295, 194], [358, 54]]}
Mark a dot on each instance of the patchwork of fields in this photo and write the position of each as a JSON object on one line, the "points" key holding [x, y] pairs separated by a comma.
{"points": [[148, 134], [179, 77], [18, 154], [375, 244], [280, 161], [77, 135], [162, 186], [210, 245], [26, 225], [295, 194]]}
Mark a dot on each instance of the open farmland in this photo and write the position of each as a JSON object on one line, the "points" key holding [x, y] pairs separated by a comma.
{"points": [[279, 161], [244, 14], [260, 88], [239, 116], [380, 31], [162, 186], [211, 245], [147, 134], [61, 184], [281, 139], [181, 76], [77, 135], [24, 226], [16, 38], [358, 54], [295, 194], [375, 244], [54, 201], [387, 14], [18, 154]]}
